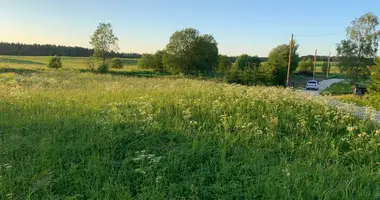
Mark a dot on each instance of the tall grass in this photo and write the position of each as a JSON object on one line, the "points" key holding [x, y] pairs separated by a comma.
{"points": [[86, 136]]}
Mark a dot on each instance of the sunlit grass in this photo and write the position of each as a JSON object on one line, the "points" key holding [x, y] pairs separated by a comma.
{"points": [[75, 135]]}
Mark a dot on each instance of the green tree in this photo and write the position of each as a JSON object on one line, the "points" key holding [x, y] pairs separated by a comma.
{"points": [[189, 52], [242, 71], [278, 58], [324, 67], [224, 64], [375, 77], [103, 41], [374, 88], [264, 74], [54, 62], [351, 62], [245, 60], [361, 44], [157, 61], [305, 67], [116, 63], [146, 61]]}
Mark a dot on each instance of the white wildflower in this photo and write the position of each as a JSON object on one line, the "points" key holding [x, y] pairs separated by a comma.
{"points": [[351, 129]]}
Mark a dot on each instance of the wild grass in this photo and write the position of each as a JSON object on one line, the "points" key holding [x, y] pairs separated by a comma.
{"points": [[70, 135]]}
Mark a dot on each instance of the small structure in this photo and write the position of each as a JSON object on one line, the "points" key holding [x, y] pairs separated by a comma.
{"points": [[360, 91]]}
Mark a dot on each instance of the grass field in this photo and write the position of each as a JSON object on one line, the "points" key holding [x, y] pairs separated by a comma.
{"points": [[40, 62], [344, 87], [77, 135]]}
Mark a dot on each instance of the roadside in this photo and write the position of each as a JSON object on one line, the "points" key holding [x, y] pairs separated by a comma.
{"points": [[355, 110]]}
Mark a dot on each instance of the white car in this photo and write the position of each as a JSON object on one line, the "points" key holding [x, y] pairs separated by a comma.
{"points": [[312, 85]]}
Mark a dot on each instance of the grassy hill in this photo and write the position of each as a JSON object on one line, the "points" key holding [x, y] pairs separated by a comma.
{"points": [[79, 135]]}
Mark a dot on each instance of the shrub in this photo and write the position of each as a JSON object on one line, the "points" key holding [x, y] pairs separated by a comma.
{"points": [[103, 68], [305, 67], [146, 61], [116, 63], [55, 62]]}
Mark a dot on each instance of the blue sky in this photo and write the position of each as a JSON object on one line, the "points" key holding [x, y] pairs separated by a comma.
{"points": [[240, 26]]}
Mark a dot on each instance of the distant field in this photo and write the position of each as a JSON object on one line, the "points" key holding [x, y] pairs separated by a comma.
{"points": [[39, 62], [333, 67]]}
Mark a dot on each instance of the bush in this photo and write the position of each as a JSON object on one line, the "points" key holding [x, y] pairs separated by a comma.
{"points": [[305, 67], [103, 68], [264, 75], [243, 70], [55, 62], [146, 61], [116, 63]]}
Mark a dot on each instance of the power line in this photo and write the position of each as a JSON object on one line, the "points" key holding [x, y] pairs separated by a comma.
{"points": [[320, 35]]}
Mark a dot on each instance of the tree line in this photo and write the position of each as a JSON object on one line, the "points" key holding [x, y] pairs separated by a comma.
{"points": [[320, 58], [19, 49], [191, 53]]}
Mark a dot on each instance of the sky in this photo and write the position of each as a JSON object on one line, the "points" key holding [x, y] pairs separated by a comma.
{"points": [[252, 27]]}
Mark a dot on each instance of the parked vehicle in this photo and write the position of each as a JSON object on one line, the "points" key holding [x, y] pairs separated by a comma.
{"points": [[312, 85]]}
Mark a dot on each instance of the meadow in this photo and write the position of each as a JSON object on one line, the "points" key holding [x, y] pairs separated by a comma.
{"points": [[72, 134]]}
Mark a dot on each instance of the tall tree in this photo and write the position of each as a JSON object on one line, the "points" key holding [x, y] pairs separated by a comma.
{"points": [[189, 52], [104, 41], [360, 45], [224, 64], [278, 58]]}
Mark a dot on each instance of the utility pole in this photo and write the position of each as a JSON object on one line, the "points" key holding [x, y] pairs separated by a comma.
{"points": [[315, 61], [290, 60], [328, 66]]}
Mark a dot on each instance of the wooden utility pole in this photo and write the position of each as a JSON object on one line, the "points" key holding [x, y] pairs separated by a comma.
{"points": [[315, 61], [290, 60], [328, 66]]}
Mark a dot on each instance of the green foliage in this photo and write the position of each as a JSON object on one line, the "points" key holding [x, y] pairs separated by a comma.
{"points": [[55, 62], [305, 67], [374, 88], [244, 61], [157, 61], [279, 58], [243, 70], [146, 61], [116, 63], [188, 52], [351, 61], [103, 41], [103, 68], [361, 44], [338, 89], [94, 136], [375, 77], [152, 61], [264, 74], [224, 64], [324, 67]]}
